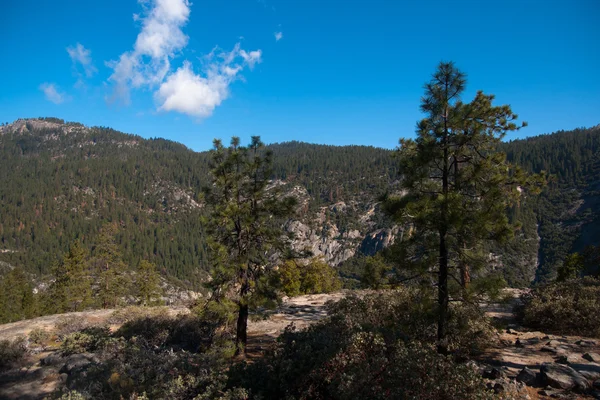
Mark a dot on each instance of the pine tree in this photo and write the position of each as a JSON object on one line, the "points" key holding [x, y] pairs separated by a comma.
{"points": [[16, 297], [71, 289], [113, 281], [458, 187], [149, 291], [245, 227]]}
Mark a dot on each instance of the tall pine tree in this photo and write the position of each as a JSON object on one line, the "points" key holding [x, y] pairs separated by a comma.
{"points": [[457, 189]]}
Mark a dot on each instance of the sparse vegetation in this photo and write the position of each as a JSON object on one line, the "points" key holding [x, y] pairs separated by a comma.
{"points": [[39, 336], [12, 352], [570, 307]]}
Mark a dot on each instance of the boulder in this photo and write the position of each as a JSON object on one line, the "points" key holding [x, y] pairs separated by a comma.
{"points": [[52, 359], [593, 357], [569, 359], [527, 376], [549, 349], [563, 377], [492, 373], [77, 362], [585, 343]]}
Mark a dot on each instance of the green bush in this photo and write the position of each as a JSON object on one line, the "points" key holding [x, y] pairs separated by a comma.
{"points": [[87, 340], [570, 307], [12, 352], [315, 277], [378, 347], [39, 336], [148, 358]]}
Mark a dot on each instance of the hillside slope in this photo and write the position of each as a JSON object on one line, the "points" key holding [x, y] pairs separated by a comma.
{"points": [[61, 181]]}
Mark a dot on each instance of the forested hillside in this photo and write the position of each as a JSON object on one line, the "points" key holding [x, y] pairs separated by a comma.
{"points": [[62, 181], [568, 212]]}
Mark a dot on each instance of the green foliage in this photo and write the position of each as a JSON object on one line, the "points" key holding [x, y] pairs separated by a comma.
{"points": [[375, 274], [148, 287], [71, 289], [158, 357], [288, 278], [66, 325], [88, 340], [571, 157], [570, 307], [571, 268], [12, 352], [457, 187], [245, 226], [39, 336], [17, 300], [113, 280], [72, 395], [377, 347], [316, 276]]}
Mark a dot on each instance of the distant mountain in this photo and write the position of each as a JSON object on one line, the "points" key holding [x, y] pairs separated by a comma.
{"points": [[61, 181]]}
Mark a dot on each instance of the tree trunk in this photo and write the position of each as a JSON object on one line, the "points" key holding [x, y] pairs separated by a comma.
{"points": [[443, 298], [241, 338]]}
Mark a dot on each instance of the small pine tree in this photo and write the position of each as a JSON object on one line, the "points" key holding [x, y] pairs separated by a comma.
{"points": [[71, 289], [149, 291], [245, 227], [113, 280]]}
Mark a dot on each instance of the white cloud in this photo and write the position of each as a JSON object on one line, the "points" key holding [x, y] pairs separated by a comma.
{"points": [[81, 55], [198, 95], [158, 42], [278, 36], [148, 65], [52, 93]]}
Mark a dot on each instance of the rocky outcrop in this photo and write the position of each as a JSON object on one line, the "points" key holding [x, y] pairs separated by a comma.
{"points": [[563, 377], [378, 240]]}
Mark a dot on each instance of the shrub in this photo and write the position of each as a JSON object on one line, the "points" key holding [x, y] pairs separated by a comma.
{"points": [[309, 365], [70, 324], [39, 336], [146, 359], [315, 277], [12, 352], [132, 313], [378, 347], [570, 307], [88, 340]]}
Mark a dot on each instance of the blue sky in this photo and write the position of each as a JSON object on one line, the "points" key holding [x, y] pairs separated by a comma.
{"points": [[321, 71]]}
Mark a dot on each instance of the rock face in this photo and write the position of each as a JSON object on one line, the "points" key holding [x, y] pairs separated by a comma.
{"points": [[378, 240], [563, 377], [324, 235]]}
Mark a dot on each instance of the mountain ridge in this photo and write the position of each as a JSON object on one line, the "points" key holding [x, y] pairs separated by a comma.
{"points": [[76, 177]]}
